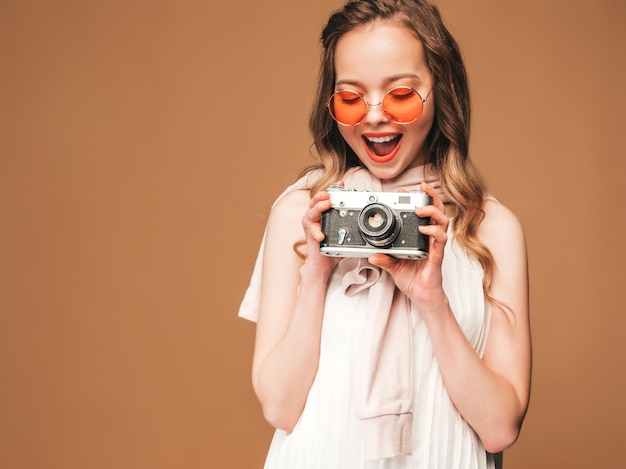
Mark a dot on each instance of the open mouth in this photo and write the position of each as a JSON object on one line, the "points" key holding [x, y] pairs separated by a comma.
{"points": [[382, 148]]}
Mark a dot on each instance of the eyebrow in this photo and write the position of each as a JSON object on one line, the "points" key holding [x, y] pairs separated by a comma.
{"points": [[390, 79]]}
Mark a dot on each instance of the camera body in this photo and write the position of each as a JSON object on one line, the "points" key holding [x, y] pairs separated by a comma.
{"points": [[361, 223]]}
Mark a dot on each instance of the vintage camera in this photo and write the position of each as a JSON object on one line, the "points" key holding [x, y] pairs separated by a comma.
{"points": [[361, 223]]}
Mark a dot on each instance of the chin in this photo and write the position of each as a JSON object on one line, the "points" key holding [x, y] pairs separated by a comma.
{"points": [[385, 172], [390, 169]]}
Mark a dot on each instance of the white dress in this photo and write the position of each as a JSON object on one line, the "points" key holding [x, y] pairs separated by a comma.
{"points": [[328, 434]]}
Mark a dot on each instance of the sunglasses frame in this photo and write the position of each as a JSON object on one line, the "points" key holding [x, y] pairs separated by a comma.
{"points": [[368, 105]]}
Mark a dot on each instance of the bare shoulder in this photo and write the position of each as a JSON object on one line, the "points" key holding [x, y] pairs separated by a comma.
{"points": [[291, 206], [284, 227], [500, 229]]}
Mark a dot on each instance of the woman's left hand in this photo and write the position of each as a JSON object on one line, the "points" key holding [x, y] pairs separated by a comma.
{"points": [[421, 280]]}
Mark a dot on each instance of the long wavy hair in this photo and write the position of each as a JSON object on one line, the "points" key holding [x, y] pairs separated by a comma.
{"points": [[448, 140]]}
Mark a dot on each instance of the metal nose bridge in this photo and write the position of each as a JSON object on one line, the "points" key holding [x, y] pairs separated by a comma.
{"points": [[370, 106]]}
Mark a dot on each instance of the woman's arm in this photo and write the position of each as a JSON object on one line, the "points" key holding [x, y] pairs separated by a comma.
{"points": [[491, 394], [293, 293]]}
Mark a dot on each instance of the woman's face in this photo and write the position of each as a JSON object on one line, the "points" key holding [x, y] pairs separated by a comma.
{"points": [[371, 60]]}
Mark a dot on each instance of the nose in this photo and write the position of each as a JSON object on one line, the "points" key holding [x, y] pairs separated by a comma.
{"points": [[375, 114]]}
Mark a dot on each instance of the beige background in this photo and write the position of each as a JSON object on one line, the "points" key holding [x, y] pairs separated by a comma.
{"points": [[141, 144]]}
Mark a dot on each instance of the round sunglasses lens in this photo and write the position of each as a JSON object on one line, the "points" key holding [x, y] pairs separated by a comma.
{"points": [[347, 107], [403, 105]]}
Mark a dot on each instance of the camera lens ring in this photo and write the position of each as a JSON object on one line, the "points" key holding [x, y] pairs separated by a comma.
{"points": [[379, 224]]}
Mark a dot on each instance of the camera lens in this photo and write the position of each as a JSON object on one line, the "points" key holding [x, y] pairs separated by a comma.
{"points": [[379, 224]]}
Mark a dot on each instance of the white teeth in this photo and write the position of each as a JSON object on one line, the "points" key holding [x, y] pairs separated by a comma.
{"points": [[386, 139]]}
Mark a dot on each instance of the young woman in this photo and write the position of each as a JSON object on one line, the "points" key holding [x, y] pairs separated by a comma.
{"points": [[384, 362]]}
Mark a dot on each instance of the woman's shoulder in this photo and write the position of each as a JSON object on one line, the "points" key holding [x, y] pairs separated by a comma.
{"points": [[500, 227], [291, 204]]}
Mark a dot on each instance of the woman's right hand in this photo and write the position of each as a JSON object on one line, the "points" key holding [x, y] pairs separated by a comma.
{"points": [[312, 225]]}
